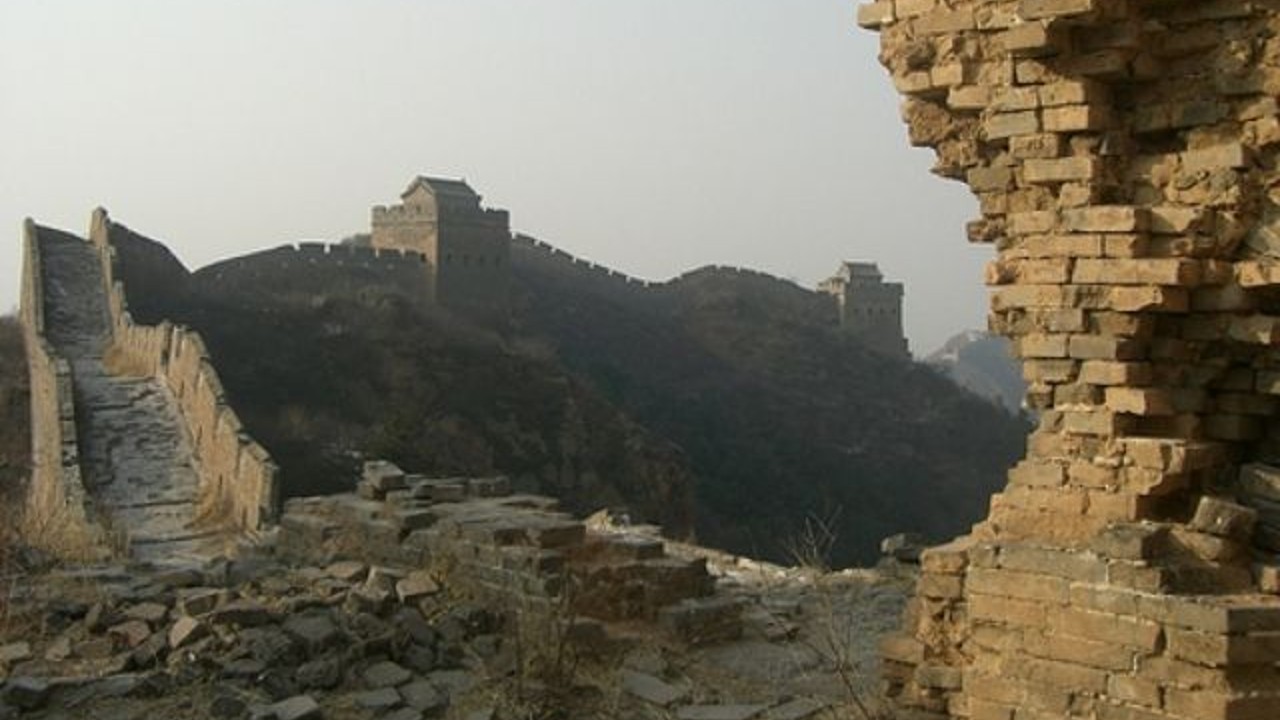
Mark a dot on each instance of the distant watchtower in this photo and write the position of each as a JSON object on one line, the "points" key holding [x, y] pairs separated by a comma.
{"points": [[467, 247], [870, 308]]}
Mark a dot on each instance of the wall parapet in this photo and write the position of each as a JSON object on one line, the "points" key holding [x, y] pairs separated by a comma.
{"points": [[536, 251], [238, 480], [59, 512]]}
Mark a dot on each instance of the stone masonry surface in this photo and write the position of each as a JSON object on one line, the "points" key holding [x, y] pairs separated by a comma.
{"points": [[237, 485], [134, 455], [1124, 157]]}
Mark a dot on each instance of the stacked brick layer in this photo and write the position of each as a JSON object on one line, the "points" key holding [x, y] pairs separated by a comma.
{"points": [[1123, 153], [517, 550]]}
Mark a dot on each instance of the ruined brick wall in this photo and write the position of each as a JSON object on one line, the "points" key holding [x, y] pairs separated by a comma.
{"points": [[238, 480], [1124, 156], [58, 512]]}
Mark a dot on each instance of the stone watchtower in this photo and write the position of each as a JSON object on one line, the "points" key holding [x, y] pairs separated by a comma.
{"points": [[467, 247], [870, 308]]}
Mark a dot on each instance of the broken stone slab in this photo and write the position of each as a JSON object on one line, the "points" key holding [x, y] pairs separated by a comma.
{"points": [[1221, 517], [315, 631], [404, 713], [298, 707], [150, 613], [58, 650], [243, 668], [652, 689], [423, 696], [185, 631], [324, 673], [452, 682], [379, 700], [903, 547], [384, 476], [95, 649], [14, 653], [242, 612], [26, 693], [228, 707], [131, 633], [798, 709], [199, 601], [386, 674], [350, 571], [416, 586], [719, 712]]}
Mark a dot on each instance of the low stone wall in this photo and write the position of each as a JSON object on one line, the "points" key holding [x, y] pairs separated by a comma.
{"points": [[58, 513], [238, 479], [518, 551]]}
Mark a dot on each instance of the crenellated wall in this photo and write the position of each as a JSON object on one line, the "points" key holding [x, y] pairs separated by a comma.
{"points": [[307, 272], [1124, 156], [238, 480], [59, 513]]}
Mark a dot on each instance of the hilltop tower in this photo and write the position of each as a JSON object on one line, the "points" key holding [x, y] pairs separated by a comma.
{"points": [[870, 308], [467, 246]]}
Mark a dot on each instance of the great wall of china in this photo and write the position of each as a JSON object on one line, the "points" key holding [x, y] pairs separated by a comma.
{"points": [[1124, 158], [152, 458]]}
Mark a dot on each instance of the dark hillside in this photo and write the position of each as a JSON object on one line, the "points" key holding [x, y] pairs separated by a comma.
{"points": [[782, 416], [322, 374]]}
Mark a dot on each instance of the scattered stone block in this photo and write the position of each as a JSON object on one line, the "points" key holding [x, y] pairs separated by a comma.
{"points": [[14, 653], [151, 613], [298, 707], [314, 631], [719, 712], [379, 700], [131, 633], [323, 673], [798, 709], [186, 630], [27, 693], [386, 674], [651, 689], [423, 696], [1224, 518], [415, 587], [350, 571]]}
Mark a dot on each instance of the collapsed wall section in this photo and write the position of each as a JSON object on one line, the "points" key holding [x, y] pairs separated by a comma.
{"points": [[238, 484], [1124, 157], [58, 511]]}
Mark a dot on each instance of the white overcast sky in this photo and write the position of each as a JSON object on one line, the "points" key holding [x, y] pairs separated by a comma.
{"points": [[653, 136]]}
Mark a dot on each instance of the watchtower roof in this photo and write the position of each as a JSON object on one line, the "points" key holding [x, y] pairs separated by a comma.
{"points": [[457, 189], [859, 270]]}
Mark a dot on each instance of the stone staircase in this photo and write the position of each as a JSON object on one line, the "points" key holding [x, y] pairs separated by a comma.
{"points": [[135, 457]]}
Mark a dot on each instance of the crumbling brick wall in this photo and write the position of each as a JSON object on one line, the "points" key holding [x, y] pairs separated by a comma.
{"points": [[58, 512], [1123, 153], [239, 485]]}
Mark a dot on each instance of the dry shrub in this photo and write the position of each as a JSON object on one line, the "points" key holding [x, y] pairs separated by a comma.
{"points": [[119, 361]]}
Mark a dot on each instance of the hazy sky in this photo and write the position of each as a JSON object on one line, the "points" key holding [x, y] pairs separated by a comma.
{"points": [[652, 136]]}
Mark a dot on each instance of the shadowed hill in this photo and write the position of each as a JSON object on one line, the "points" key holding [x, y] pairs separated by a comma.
{"points": [[783, 417]]}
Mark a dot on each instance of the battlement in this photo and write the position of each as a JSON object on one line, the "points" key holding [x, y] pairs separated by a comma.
{"points": [[238, 481], [530, 250]]}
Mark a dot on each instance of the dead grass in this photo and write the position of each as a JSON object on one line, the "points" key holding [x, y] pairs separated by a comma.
{"points": [[122, 363], [833, 637]]}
